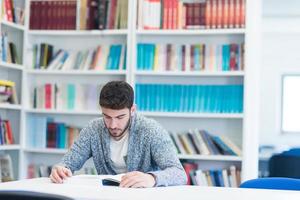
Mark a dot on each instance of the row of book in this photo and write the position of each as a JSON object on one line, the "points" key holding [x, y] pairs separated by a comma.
{"points": [[13, 11], [64, 96], [103, 14], [204, 143], [219, 177], [104, 57], [176, 14], [190, 57], [6, 170], [8, 93], [49, 14], [6, 134], [189, 98], [42, 170], [50, 134], [8, 50]]}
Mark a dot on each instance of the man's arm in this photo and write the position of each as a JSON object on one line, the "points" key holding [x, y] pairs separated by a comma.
{"points": [[80, 150], [163, 153]]}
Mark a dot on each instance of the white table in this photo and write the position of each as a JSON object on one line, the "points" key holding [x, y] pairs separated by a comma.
{"points": [[89, 187]]}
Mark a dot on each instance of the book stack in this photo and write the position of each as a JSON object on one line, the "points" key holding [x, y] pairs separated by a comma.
{"points": [[13, 12], [53, 15], [62, 96], [103, 14], [50, 134], [203, 143], [6, 134], [8, 50], [190, 57], [8, 92], [189, 98], [219, 177], [104, 57], [176, 14]]}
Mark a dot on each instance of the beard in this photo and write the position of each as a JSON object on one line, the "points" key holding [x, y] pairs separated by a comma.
{"points": [[118, 133]]}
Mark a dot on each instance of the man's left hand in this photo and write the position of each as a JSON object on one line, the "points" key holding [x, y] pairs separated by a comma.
{"points": [[137, 179]]}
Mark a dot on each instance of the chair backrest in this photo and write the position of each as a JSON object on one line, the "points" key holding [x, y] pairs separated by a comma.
{"points": [[272, 183], [28, 195], [284, 165]]}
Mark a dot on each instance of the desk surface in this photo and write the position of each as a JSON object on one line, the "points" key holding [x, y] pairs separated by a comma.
{"points": [[89, 187]]}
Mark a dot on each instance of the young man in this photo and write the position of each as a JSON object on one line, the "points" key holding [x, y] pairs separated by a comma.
{"points": [[124, 142]]}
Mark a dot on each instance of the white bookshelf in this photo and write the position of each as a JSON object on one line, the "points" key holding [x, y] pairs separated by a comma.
{"points": [[210, 157], [202, 73], [241, 127], [192, 115], [10, 147], [11, 66], [12, 25], [14, 72], [192, 32], [76, 72], [10, 106]]}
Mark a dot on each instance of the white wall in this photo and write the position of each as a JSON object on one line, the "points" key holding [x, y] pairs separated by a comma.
{"points": [[280, 54]]}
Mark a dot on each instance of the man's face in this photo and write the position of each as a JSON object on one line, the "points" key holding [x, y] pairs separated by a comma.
{"points": [[116, 121]]}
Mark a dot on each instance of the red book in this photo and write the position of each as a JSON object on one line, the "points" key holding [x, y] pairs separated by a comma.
{"points": [[242, 14], [9, 133], [225, 13], [51, 135], [208, 14], [9, 10], [32, 19], [189, 167], [48, 93]]}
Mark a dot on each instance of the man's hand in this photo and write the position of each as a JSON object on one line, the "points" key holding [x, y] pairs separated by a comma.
{"points": [[137, 179], [59, 173]]}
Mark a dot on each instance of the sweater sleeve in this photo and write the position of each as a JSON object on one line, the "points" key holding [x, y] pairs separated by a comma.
{"points": [[163, 153], [80, 151]]}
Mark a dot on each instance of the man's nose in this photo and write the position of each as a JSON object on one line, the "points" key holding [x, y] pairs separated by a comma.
{"points": [[113, 124]]}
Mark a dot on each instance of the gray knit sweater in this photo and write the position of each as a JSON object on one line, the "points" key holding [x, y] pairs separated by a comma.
{"points": [[149, 150]]}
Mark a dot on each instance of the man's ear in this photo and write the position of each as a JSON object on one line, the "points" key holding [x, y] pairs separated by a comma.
{"points": [[133, 109]]}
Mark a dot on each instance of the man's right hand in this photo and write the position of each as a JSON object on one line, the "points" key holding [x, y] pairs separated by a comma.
{"points": [[59, 173]]}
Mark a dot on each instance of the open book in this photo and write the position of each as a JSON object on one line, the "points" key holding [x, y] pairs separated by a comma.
{"points": [[110, 180]]}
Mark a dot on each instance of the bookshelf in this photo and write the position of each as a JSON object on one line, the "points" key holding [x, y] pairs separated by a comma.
{"points": [[239, 127], [13, 112]]}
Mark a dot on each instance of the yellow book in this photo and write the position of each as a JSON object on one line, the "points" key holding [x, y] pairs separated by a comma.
{"points": [[7, 83]]}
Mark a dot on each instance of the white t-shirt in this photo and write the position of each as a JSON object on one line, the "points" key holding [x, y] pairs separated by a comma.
{"points": [[118, 153]]}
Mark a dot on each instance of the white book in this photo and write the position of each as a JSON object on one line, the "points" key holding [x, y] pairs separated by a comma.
{"points": [[6, 168], [225, 178], [122, 57], [70, 61], [88, 60], [187, 57]]}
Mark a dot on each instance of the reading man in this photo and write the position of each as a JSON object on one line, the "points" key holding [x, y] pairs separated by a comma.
{"points": [[123, 141]]}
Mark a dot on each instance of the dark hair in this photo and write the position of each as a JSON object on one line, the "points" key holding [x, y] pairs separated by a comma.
{"points": [[116, 95]]}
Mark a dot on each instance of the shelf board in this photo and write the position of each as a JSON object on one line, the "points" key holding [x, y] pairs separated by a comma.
{"points": [[46, 150], [76, 72], [210, 157], [195, 73], [10, 147], [11, 66], [10, 106], [192, 32], [78, 32], [63, 112], [13, 25], [194, 115]]}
